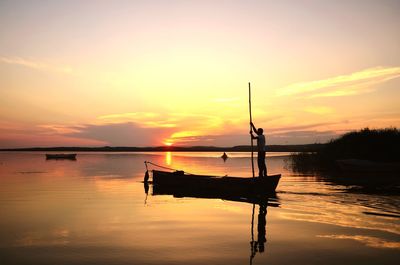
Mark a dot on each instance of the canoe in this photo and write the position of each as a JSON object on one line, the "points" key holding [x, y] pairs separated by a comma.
{"points": [[212, 186], [61, 156]]}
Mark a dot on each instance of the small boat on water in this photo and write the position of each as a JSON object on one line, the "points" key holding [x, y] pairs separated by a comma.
{"points": [[212, 186], [61, 156]]}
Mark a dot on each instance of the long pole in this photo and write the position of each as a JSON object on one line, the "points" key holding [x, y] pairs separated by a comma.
{"points": [[252, 254], [251, 138]]}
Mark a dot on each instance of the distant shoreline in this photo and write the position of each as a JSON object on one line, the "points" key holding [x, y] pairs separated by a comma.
{"points": [[240, 148]]}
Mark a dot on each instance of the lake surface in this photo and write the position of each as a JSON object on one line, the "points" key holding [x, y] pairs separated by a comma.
{"points": [[94, 211]]}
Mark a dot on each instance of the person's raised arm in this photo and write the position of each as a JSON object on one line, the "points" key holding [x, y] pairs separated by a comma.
{"points": [[252, 136], [253, 127]]}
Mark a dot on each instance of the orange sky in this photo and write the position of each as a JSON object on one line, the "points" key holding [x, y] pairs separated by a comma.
{"points": [[149, 73]]}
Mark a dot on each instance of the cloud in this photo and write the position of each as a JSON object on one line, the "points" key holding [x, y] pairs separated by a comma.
{"points": [[211, 139], [59, 129], [129, 115], [37, 65], [145, 119], [320, 110], [235, 138], [18, 135], [31, 138], [133, 134], [179, 121], [343, 85], [301, 137], [123, 134], [297, 127]]}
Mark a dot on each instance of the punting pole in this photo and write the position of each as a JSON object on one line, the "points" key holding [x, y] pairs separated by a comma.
{"points": [[252, 253], [251, 138]]}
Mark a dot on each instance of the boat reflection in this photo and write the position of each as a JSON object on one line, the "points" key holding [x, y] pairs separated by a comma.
{"points": [[179, 192], [257, 245]]}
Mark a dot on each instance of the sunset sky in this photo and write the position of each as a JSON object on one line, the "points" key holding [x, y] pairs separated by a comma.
{"points": [[151, 73]]}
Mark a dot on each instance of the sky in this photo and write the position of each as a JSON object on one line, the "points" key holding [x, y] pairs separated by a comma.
{"points": [[154, 73]]}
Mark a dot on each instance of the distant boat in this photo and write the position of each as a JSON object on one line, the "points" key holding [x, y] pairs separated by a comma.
{"points": [[61, 156], [224, 156], [214, 186], [366, 166]]}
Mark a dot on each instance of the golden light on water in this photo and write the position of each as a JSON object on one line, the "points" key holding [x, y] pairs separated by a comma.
{"points": [[168, 158], [79, 203]]}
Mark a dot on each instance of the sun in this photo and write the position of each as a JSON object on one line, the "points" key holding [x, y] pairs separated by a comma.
{"points": [[167, 143]]}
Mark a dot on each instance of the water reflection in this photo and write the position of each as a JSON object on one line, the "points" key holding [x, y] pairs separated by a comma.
{"points": [[168, 158], [256, 246], [256, 198], [369, 241], [92, 211]]}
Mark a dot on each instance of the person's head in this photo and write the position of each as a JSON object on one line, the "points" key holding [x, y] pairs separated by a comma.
{"points": [[260, 131]]}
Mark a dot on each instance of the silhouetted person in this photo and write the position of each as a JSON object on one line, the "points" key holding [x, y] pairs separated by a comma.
{"points": [[224, 156], [262, 168]]}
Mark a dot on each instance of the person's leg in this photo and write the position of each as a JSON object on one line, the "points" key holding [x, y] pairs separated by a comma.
{"points": [[259, 164], [265, 165], [265, 168], [262, 165]]}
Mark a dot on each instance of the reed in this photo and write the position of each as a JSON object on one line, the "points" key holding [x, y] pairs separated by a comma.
{"points": [[380, 145]]}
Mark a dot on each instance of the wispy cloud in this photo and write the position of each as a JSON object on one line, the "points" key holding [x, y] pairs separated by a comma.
{"points": [[343, 85], [35, 64], [145, 119], [59, 129], [320, 110], [129, 115], [301, 127], [165, 120]]}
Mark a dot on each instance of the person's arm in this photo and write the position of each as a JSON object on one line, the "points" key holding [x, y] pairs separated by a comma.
{"points": [[252, 136], [253, 127]]}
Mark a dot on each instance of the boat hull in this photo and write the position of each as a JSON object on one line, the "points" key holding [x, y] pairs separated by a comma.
{"points": [[61, 156], [177, 183]]}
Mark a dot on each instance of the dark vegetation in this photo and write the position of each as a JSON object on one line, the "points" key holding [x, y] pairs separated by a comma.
{"points": [[380, 145]]}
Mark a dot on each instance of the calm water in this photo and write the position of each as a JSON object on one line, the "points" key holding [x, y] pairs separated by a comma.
{"points": [[95, 211]]}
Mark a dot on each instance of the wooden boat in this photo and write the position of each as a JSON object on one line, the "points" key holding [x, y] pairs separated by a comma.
{"points": [[61, 156], [212, 186]]}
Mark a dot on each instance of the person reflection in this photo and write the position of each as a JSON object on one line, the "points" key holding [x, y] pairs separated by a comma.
{"points": [[259, 244], [261, 230]]}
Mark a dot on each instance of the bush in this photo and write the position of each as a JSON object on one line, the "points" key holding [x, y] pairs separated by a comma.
{"points": [[380, 145]]}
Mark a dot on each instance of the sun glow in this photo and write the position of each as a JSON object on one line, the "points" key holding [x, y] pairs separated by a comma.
{"points": [[168, 143], [155, 81]]}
